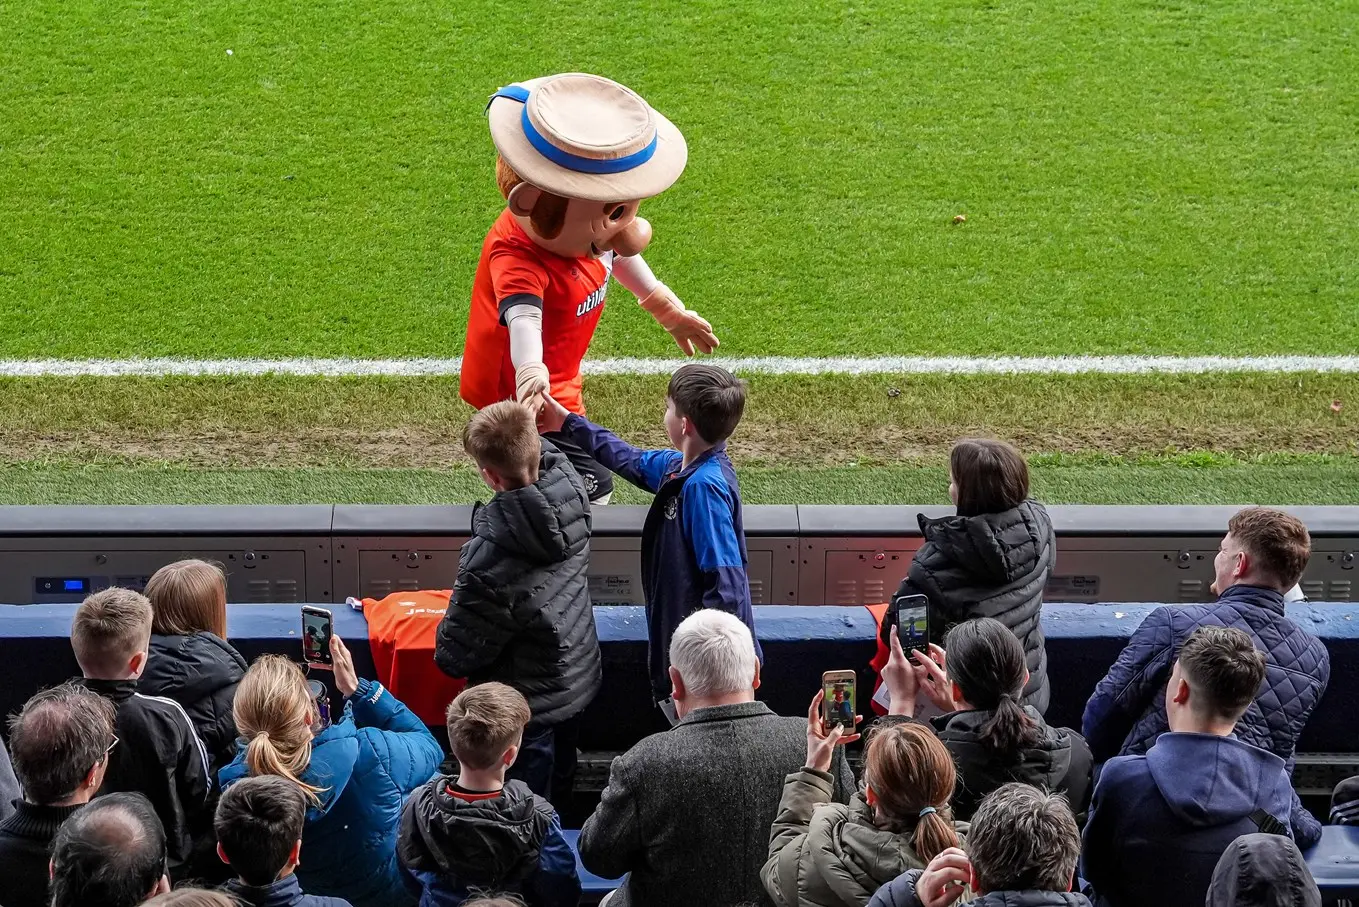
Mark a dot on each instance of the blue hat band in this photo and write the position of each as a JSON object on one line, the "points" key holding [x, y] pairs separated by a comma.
{"points": [[566, 159]]}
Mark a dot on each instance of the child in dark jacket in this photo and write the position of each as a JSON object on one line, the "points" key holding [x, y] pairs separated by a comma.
{"points": [[1159, 823], [259, 835], [994, 740], [478, 832], [157, 752], [693, 542], [520, 612], [191, 662]]}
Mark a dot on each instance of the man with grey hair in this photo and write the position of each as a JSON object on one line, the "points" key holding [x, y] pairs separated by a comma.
{"points": [[687, 812], [1022, 851], [61, 741]]}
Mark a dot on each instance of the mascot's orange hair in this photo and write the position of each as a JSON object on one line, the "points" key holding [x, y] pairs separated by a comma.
{"points": [[549, 212]]}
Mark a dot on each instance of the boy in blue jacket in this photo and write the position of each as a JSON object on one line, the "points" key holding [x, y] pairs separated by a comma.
{"points": [[259, 835], [693, 541], [1159, 823], [475, 831]]}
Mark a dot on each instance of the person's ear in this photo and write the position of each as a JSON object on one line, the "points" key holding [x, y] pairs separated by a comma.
{"points": [[295, 855], [95, 776], [957, 692], [677, 691], [1243, 565], [1070, 886], [136, 663], [221, 854], [687, 427], [870, 795], [972, 881], [51, 870], [511, 754], [755, 685], [492, 478], [1181, 693], [523, 198], [1025, 685], [162, 887]]}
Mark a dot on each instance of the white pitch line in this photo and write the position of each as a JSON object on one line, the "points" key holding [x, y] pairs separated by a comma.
{"points": [[768, 365]]}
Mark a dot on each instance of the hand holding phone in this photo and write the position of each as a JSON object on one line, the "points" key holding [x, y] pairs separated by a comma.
{"points": [[317, 630], [823, 734], [913, 622]]}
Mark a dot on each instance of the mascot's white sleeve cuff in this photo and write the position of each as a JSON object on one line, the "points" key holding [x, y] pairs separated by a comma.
{"points": [[525, 323], [635, 275]]}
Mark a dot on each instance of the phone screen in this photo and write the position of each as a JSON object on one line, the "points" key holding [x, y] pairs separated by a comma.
{"points": [[913, 628], [316, 630], [837, 707]]}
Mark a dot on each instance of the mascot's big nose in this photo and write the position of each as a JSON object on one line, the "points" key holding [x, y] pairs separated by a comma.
{"points": [[632, 239]]}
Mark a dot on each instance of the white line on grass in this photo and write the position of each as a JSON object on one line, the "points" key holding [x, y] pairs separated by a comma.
{"points": [[767, 365]]}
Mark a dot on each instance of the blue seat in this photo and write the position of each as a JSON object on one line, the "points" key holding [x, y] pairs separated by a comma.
{"points": [[1334, 862], [591, 885]]}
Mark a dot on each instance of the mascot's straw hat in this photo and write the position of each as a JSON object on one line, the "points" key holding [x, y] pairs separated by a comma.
{"points": [[583, 136]]}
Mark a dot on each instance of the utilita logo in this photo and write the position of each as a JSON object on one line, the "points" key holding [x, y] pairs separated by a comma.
{"points": [[592, 302]]}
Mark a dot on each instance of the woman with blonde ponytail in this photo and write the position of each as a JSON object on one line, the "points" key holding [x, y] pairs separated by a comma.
{"points": [[357, 772], [825, 854], [977, 680]]}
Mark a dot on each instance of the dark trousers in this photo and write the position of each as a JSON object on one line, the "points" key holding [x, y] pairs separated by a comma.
{"points": [[547, 761]]}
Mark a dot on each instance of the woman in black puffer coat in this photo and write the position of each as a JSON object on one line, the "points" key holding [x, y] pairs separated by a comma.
{"points": [[991, 560], [191, 662]]}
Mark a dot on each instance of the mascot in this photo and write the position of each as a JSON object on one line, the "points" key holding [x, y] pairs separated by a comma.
{"points": [[577, 154]]}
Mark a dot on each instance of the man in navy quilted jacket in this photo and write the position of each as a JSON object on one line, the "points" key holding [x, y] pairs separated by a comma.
{"points": [[1261, 557]]}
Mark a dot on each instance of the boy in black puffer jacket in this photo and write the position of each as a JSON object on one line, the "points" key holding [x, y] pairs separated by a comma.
{"points": [[520, 612], [475, 831]]}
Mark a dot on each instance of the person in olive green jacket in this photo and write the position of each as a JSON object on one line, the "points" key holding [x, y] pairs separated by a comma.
{"points": [[825, 854]]}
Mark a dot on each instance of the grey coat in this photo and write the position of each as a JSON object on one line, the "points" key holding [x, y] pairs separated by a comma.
{"points": [[687, 812]]}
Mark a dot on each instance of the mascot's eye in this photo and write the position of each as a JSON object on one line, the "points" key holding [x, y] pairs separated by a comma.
{"points": [[617, 213]]}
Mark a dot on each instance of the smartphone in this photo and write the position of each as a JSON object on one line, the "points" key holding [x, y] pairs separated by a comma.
{"points": [[316, 633], [913, 623], [838, 705]]}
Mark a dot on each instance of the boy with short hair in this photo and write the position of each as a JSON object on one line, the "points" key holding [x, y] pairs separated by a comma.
{"points": [[520, 612], [157, 753], [475, 831], [693, 542], [259, 835], [1196, 790]]}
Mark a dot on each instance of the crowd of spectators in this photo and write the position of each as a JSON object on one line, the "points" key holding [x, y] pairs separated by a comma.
{"points": [[173, 772]]}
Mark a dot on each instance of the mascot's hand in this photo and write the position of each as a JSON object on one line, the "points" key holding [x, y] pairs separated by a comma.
{"points": [[530, 383], [689, 330]]}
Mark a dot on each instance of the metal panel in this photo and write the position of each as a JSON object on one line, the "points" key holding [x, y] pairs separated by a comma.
{"points": [[66, 569]]}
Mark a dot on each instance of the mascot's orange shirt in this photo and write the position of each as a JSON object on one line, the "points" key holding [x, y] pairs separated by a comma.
{"points": [[572, 293]]}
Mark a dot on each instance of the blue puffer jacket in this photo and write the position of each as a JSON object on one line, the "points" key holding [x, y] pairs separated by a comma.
{"points": [[1127, 711], [367, 764]]}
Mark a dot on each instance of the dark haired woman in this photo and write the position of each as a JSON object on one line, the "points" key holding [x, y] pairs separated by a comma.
{"points": [[993, 739], [990, 560]]}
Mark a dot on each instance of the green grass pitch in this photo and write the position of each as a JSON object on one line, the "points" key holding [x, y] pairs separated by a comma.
{"points": [[1137, 175]]}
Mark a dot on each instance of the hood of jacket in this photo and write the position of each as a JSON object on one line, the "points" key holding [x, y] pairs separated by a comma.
{"points": [[851, 855], [334, 756], [283, 893], [542, 523], [1208, 780], [495, 841], [995, 548], [1262, 871], [1044, 764], [193, 667], [1031, 899]]}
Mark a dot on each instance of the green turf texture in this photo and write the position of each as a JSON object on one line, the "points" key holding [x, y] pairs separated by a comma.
{"points": [[1307, 480], [1137, 175]]}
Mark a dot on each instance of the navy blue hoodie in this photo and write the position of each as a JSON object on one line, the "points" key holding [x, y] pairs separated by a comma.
{"points": [[693, 543], [1159, 823]]}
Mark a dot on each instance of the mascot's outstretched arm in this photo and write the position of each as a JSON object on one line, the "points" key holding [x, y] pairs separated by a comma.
{"points": [[660, 302], [531, 381]]}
